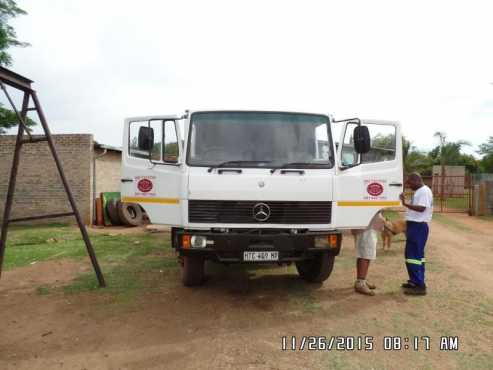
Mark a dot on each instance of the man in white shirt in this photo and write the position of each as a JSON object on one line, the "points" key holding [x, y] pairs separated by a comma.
{"points": [[418, 215]]}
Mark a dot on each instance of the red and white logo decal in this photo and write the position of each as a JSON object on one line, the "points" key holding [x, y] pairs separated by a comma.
{"points": [[374, 189], [145, 185]]}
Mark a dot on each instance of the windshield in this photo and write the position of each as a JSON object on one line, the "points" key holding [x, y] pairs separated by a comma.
{"points": [[260, 139]]}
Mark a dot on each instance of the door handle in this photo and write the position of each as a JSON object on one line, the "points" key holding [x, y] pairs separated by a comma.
{"points": [[301, 172], [127, 180], [395, 184]]}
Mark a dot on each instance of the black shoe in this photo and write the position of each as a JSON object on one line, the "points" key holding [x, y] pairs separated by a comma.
{"points": [[417, 290], [408, 285]]}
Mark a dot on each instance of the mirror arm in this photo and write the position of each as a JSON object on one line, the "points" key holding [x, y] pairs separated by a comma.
{"points": [[356, 120], [344, 168], [150, 150]]}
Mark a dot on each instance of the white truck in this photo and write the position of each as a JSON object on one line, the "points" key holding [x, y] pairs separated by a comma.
{"points": [[260, 186]]}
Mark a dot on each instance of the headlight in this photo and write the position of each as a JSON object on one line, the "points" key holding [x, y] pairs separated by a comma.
{"points": [[198, 241]]}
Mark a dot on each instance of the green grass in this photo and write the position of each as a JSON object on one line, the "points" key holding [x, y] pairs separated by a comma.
{"points": [[130, 263], [443, 219], [453, 203], [28, 244], [392, 215]]}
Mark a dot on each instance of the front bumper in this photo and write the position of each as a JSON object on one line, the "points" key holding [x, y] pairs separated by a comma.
{"points": [[230, 247]]}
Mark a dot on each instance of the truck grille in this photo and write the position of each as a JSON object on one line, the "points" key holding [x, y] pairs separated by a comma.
{"points": [[262, 212]]}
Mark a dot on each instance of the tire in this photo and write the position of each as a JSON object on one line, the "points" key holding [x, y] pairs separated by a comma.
{"points": [[130, 213], [317, 269], [193, 270], [112, 210]]}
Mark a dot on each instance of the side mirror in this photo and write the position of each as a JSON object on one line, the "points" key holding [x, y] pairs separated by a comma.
{"points": [[146, 138], [361, 138]]}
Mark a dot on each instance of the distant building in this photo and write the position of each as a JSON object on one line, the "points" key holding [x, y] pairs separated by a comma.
{"points": [[91, 168]]}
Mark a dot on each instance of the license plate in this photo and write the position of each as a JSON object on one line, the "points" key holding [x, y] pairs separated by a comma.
{"points": [[261, 256]]}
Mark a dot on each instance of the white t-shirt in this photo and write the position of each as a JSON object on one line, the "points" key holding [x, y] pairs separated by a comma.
{"points": [[422, 197]]}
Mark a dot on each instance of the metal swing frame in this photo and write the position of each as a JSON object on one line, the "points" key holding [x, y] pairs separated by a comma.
{"points": [[23, 84]]}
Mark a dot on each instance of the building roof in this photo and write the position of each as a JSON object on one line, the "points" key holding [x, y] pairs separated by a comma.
{"points": [[107, 147]]}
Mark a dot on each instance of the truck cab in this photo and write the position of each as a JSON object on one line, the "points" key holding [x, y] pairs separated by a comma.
{"points": [[260, 186]]}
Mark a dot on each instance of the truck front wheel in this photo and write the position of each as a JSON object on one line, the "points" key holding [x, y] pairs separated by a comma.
{"points": [[193, 270], [316, 269]]}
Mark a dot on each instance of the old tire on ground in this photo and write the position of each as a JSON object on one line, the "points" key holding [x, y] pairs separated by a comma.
{"points": [[193, 270], [130, 213], [112, 210], [317, 269]]}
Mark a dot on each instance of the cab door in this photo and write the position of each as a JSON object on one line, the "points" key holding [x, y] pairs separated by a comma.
{"points": [[152, 171], [366, 183]]}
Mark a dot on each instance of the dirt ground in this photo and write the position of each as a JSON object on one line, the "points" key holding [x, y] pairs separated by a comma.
{"points": [[237, 320]]}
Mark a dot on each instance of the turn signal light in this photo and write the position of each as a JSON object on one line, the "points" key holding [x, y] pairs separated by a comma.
{"points": [[186, 241], [332, 239]]}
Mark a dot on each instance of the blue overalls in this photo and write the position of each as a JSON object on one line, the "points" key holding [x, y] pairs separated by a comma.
{"points": [[417, 235]]}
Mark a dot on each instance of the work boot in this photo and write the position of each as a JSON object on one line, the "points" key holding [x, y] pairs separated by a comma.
{"points": [[370, 285], [361, 286], [416, 290], [408, 285]]}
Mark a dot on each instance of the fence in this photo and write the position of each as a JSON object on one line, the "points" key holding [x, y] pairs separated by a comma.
{"points": [[450, 193], [482, 194]]}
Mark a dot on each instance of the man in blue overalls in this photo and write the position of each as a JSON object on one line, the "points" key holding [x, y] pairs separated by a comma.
{"points": [[418, 215]]}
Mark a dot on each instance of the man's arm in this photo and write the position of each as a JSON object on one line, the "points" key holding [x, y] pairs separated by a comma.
{"points": [[411, 206]]}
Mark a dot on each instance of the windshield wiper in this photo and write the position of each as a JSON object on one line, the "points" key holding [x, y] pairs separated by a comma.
{"points": [[292, 164], [232, 163]]}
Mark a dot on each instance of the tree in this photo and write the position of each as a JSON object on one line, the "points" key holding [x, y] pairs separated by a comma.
{"points": [[451, 154], [8, 38], [9, 119], [486, 163], [486, 148]]}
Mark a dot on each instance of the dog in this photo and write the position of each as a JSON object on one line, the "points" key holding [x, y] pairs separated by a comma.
{"points": [[391, 229]]}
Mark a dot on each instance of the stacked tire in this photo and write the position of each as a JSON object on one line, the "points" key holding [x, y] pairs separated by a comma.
{"points": [[128, 214]]}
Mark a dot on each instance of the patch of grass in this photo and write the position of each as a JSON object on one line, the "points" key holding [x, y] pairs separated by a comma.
{"points": [[130, 263], [453, 203], [392, 215], [128, 278], [443, 219], [43, 290], [27, 244], [304, 298]]}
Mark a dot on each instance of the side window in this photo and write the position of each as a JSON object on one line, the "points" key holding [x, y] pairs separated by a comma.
{"points": [[349, 156], [133, 140], [383, 144], [170, 142]]}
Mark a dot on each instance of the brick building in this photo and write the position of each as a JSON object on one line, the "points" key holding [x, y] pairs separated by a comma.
{"points": [[90, 168]]}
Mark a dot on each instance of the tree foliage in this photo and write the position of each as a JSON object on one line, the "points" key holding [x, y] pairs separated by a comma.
{"points": [[486, 163], [9, 119], [452, 155], [8, 37], [486, 148]]}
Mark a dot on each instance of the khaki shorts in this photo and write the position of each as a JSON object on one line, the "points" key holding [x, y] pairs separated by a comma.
{"points": [[366, 244]]}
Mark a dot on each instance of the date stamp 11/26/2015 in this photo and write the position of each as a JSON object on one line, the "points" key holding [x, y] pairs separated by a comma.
{"points": [[368, 343]]}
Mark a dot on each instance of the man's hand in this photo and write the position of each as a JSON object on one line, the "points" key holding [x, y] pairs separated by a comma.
{"points": [[402, 197]]}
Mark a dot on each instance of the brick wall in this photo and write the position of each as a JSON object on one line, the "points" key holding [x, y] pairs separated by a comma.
{"points": [[39, 189], [108, 168]]}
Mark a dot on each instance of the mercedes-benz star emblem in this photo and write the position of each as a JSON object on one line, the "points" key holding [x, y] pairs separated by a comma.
{"points": [[261, 212], [261, 184]]}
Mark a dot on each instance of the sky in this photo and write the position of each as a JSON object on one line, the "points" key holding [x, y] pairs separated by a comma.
{"points": [[427, 64]]}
